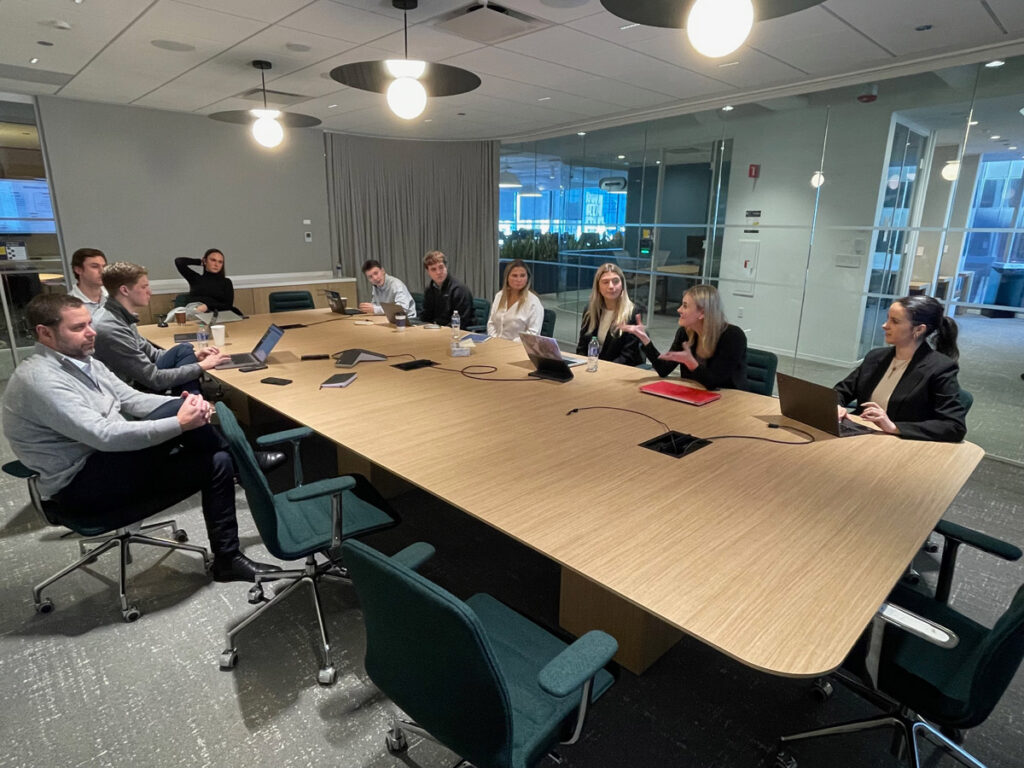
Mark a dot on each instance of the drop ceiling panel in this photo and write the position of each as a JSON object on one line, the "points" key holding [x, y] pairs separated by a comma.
{"points": [[510, 90], [1010, 13], [753, 68], [571, 48], [504, 63], [343, 22], [427, 43], [955, 23], [21, 86], [553, 11], [271, 44], [428, 9], [608, 27], [112, 84], [262, 10]]}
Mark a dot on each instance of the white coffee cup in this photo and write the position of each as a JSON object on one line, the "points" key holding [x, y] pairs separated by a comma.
{"points": [[218, 335], [400, 322]]}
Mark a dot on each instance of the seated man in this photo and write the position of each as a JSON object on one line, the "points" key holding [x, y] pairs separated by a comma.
{"points": [[386, 289], [120, 347], [444, 294], [64, 416], [87, 265]]}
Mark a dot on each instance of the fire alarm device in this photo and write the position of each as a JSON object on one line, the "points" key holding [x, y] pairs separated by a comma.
{"points": [[754, 171]]}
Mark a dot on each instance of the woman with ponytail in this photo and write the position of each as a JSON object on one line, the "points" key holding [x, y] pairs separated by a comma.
{"points": [[910, 388]]}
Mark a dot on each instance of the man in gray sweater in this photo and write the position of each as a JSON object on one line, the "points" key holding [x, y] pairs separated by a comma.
{"points": [[64, 417], [120, 347]]}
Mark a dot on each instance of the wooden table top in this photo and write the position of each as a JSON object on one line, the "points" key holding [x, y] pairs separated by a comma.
{"points": [[777, 555]]}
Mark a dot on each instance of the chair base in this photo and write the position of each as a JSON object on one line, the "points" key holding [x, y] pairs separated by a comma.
{"points": [[122, 538], [907, 726], [310, 574]]}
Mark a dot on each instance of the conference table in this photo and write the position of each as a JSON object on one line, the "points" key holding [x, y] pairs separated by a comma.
{"points": [[776, 555]]}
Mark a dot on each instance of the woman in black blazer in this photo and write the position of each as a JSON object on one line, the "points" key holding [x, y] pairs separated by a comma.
{"points": [[610, 307], [910, 389]]}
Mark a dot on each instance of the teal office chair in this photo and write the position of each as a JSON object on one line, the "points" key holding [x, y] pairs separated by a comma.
{"points": [[547, 326], [182, 299], [761, 367], [477, 677], [418, 301], [481, 313], [923, 684], [100, 540], [287, 301], [298, 524]]}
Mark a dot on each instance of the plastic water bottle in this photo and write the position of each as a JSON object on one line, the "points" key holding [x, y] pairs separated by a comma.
{"points": [[456, 323], [593, 350], [202, 336]]}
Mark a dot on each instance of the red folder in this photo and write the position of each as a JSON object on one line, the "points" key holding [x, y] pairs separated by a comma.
{"points": [[680, 392]]}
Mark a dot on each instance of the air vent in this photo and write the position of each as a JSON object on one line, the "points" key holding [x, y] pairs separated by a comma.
{"points": [[489, 24], [274, 98]]}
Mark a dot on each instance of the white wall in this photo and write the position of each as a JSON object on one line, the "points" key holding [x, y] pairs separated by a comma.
{"points": [[146, 186]]}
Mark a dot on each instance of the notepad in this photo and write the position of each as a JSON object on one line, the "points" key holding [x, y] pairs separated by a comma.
{"points": [[680, 392], [339, 380]]}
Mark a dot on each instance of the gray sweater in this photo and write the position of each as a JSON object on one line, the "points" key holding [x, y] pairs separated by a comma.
{"points": [[133, 358], [55, 417]]}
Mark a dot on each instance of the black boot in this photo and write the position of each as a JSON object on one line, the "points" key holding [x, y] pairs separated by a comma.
{"points": [[268, 460], [237, 567]]}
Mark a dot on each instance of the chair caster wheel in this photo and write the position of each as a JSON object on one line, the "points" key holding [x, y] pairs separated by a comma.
{"points": [[327, 676], [207, 563], [256, 594], [44, 606], [228, 659], [395, 742], [131, 614], [179, 535], [784, 760], [822, 690]]}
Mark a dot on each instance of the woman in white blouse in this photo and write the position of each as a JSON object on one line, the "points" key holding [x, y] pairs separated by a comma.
{"points": [[516, 309]]}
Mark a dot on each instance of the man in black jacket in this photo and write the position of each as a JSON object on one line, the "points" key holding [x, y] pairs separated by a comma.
{"points": [[444, 294]]}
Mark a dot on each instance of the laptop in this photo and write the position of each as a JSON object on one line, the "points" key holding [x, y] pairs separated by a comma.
{"points": [[546, 357], [339, 303], [815, 405], [391, 309], [219, 316], [680, 392], [259, 353]]}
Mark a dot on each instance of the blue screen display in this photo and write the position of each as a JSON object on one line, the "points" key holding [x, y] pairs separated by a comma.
{"points": [[25, 207]]}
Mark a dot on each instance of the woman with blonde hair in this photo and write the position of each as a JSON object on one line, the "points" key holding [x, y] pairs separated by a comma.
{"points": [[516, 308], [608, 310], [706, 347]]}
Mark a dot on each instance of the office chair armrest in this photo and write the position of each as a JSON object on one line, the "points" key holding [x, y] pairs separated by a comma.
{"points": [[329, 487], [414, 555], [578, 663], [285, 436], [926, 629], [978, 540]]}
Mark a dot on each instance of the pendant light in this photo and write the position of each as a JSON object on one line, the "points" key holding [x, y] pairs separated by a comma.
{"points": [[406, 96], [718, 27]]}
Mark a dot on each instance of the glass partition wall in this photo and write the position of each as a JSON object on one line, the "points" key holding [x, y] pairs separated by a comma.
{"points": [[810, 213]]}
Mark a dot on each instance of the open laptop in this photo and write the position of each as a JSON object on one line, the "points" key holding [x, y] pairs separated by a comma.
{"points": [[815, 405], [391, 309], [259, 353], [546, 357], [339, 303], [219, 316]]}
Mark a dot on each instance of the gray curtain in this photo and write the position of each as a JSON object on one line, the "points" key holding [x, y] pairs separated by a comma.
{"points": [[395, 200]]}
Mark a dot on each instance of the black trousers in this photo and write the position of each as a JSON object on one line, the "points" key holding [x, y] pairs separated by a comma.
{"points": [[117, 489]]}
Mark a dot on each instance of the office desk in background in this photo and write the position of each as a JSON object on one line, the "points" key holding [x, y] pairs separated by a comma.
{"points": [[775, 555]]}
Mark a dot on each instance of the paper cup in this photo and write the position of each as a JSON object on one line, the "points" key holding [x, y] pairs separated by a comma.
{"points": [[218, 335], [179, 315]]}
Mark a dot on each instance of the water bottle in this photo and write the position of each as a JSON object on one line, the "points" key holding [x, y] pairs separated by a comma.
{"points": [[202, 336], [456, 322], [593, 350]]}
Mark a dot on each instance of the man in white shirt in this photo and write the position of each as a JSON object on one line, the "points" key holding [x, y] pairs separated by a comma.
{"points": [[87, 265], [386, 289]]}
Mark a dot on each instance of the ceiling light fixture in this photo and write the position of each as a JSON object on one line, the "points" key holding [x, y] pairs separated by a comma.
{"points": [[728, 108], [406, 82], [1012, 147], [266, 124], [995, 64], [950, 170], [508, 180], [995, 136], [34, 60], [584, 133], [817, 179]]}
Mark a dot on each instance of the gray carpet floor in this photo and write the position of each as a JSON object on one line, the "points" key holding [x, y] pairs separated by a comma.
{"points": [[82, 688]]}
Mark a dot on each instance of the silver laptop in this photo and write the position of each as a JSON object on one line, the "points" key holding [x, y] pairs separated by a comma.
{"points": [[259, 353], [219, 316], [391, 309], [815, 405], [339, 303]]}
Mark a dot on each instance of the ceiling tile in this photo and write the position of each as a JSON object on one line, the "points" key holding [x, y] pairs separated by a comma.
{"points": [[553, 11], [343, 22], [1010, 13], [262, 10]]}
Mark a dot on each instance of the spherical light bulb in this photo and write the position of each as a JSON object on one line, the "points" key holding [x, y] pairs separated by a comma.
{"points": [[407, 97], [951, 170], [718, 27], [894, 182], [266, 130], [817, 179]]}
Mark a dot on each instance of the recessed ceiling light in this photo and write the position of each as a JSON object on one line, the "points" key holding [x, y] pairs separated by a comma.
{"points": [[972, 122], [1012, 147], [297, 47], [45, 43], [581, 133], [922, 27], [622, 157], [172, 45], [78, 2], [995, 136], [34, 60], [995, 64], [331, 106], [728, 108], [544, 98], [628, 26], [657, 162]]}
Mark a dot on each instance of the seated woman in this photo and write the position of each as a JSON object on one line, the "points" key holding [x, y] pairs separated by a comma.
{"points": [[610, 307], [210, 290], [516, 308], [910, 389], [707, 349]]}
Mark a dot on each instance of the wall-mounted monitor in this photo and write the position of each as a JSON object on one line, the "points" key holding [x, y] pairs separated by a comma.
{"points": [[25, 207]]}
